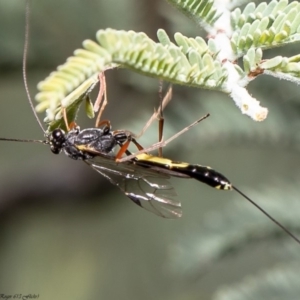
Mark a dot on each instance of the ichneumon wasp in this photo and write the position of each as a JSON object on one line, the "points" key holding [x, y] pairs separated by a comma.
{"points": [[140, 176]]}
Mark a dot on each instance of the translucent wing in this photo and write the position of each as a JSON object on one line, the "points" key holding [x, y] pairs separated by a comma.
{"points": [[147, 188]]}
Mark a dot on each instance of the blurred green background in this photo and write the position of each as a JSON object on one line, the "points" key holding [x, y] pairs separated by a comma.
{"points": [[67, 234]]}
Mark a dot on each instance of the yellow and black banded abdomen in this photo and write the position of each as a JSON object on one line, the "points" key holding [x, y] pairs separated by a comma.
{"points": [[182, 169], [205, 175]]}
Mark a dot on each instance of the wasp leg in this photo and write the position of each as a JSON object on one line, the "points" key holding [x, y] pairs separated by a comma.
{"points": [[122, 150], [70, 126], [106, 123], [64, 112], [156, 114], [163, 143], [161, 118], [101, 101], [139, 146], [125, 144]]}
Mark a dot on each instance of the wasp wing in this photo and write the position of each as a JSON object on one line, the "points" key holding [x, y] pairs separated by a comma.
{"points": [[147, 188]]}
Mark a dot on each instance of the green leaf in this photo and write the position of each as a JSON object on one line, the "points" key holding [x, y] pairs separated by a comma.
{"points": [[265, 26], [136, 51], [89, 108], [201, 11]]}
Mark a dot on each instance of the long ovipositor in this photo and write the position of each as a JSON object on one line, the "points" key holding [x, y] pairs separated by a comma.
{"points": [[181, 169]]}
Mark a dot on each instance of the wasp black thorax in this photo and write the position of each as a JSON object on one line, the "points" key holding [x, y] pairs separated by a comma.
{"points": [[86, 143]]}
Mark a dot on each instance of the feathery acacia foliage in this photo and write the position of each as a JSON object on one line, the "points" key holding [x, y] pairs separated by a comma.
{"points": [[234, 34]]}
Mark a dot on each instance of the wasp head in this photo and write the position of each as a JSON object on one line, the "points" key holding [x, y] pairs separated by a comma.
{"points": [[57, 140]]}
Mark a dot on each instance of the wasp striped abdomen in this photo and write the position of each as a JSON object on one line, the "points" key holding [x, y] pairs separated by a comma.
{"points": [[205, 175], [182, 169]]}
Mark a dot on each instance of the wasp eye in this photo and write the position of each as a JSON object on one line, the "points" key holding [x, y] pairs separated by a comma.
{"points": [[58, 134]]}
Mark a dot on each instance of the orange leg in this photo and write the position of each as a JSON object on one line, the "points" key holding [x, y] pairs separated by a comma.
{"points": [[139, 146], [163, 143], [160, 116], [70, 126], [104, 122], [161, 121], [64, 111], [122, 150], [157, 113], [101, 101]]}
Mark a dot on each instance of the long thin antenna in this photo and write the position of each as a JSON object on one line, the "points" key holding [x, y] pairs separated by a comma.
{"points": [[26, 43], [269, 216], [24, 140]]}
